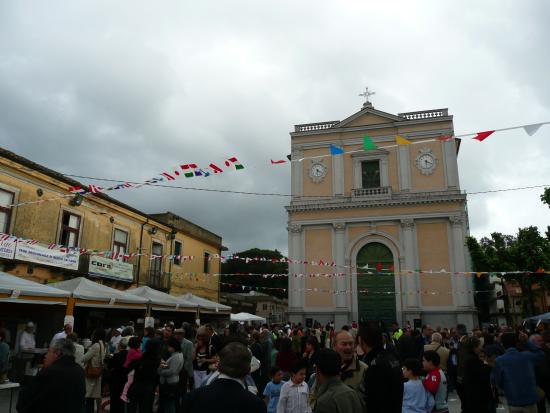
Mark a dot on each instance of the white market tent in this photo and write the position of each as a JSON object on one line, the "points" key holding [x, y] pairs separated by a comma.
{"points": [[91, 294], [18, 290], [244, 317], [205, 304], [166, 302]]}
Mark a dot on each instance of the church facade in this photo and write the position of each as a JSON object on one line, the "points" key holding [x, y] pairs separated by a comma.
{"points": [[377, 234]]}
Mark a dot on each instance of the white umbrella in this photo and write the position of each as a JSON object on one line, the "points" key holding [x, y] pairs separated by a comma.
{"points": [[246, 317]]}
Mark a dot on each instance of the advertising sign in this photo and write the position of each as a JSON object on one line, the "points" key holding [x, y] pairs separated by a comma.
{"points": [[7, 246], [106, 267], [43, 255]]}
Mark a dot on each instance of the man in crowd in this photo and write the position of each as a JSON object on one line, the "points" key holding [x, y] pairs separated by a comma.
{"points": [[228, 393], [115, 339], [397, 332], [408, 347], [59, 387], [27, 341], [514, 374], [427, 333], [333, 395], [383, 379], [186, 373], [437, 346], [435, 381], [67, 329]]}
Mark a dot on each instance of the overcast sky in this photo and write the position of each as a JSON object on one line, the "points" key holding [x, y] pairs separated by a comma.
{"points": [[126, 89]]}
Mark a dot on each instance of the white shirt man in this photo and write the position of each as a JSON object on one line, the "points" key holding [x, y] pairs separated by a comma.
{"points": [[27, 341], [67, 329]]}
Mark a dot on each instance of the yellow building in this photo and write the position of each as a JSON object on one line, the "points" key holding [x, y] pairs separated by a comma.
{"points": [[98, 222], [397, 208]]}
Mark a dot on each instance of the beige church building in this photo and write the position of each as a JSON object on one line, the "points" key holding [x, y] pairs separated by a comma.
{"points": [[383, 219]]}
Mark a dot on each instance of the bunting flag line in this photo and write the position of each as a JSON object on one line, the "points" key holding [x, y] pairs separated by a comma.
{"points": [[400, 140], [368, 144], [335, 150], [532, 129], [278, 162], [481, 136]]}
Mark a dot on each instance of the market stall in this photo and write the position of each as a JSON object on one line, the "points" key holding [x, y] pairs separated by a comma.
{"points": [[209, 311], [245, 317]]}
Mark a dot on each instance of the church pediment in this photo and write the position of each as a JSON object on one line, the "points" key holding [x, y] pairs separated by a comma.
{"points": [[366, 117]]}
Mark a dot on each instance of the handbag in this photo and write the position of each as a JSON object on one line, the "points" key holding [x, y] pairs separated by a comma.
{"points": [[95, 372]]}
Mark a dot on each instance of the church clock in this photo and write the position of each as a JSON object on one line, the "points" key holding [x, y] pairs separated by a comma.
{"points": [[426, 162]]}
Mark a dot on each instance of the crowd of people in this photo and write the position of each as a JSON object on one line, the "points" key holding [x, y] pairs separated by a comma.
{"points": [[290, 369]]}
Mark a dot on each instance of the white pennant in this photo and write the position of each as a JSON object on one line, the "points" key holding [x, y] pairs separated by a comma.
{"points": [[532, 129]]}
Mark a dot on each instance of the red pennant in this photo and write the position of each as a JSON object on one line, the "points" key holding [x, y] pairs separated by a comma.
{"points": [[378, 267], [278, 161], [483, 135]]}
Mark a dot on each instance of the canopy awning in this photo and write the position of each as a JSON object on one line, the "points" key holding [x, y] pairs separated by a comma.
{"points": [[541, 317], [205, 304], [17, 289], [87, 292], [246, 317], [165, 301]]}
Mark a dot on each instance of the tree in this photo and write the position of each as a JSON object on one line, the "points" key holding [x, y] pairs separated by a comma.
{"points": [[526, 253], [545, 197], [236, 271]]}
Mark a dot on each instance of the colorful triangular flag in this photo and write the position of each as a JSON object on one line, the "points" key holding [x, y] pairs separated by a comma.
{"points": [[400, 140], [277, 161], [368, 144], [335, 150], [532, 129], [481, 136]]}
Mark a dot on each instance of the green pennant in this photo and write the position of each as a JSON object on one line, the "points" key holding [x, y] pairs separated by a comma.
{"points": [[368, 144]]}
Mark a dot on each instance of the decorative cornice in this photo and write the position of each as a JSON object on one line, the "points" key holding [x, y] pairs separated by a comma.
{"points": [[339, 226], [398, 199], [456, 220], [295, 228], [407, 223]]}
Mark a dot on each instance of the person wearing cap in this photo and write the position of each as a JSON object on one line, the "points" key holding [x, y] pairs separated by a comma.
{"points": [[27, 342], [67, 329], [115, 340]]}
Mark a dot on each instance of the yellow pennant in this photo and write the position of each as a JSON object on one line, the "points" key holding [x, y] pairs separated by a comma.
{"points": [[400, 140]]}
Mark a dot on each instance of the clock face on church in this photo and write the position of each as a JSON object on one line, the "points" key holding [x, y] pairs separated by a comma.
{"points": [[317, 171], [426, 162]]}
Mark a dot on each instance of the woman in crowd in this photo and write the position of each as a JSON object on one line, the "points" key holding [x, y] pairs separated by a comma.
{"points": [[476, 383], [312, 347], [149, 334], [117, 377], [257, 351], [142, 392], [93, 360], [286, 357], [169, 372], [203, 357]]}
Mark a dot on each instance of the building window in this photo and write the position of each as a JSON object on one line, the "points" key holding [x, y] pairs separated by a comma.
{"points": [[70, 229], [370, 174], [265, 307], [178, 248], [156, 264], [120, 242], [206, 263], [6, 198]]}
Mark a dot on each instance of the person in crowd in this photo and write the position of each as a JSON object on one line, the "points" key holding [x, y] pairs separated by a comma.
{"points": [[186, 373], [296, 339], [542, 372], [333, 396], [169, 372], [93, 360], [59, 387], [204, 357], [286, 358], [416, 399], [397, 332], [310, 355], [457, 355], [514, 373], [435, 381], [167, 332], [134, 353], [427, 332], [267, 347], [6, 332], [228, 393], [436, 345], [215, 339], [4, 357], [383, 381], [117, 377], [78, 349], [116, 336], [27, 341], [272, 390], [67, 329], [149, 333], [257, 352], [408, 346], [142, 392], [295, 392], [477, 395]]}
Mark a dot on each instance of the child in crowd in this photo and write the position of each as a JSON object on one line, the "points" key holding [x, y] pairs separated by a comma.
{"points": [[295, 392], [272, 391], [134, 353], [415, 397], [435, 382]]}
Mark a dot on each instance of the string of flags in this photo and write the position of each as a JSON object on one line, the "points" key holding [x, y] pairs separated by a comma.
{"points": [[400, 140], [378, 269]]}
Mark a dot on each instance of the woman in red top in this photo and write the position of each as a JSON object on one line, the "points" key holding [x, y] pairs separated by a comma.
{"points": [[285, 357]]}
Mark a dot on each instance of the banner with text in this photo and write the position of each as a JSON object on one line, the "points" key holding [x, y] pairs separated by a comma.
{"points": [[106, 267], [43, 255]]}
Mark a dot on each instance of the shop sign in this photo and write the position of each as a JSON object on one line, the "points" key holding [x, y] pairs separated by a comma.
{"points": [[106, 267], [7, 248], [44, 255]]}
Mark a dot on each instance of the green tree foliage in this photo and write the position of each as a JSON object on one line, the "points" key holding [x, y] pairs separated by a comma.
{"points": [[236, 271], [545, 197], [527, 252]]}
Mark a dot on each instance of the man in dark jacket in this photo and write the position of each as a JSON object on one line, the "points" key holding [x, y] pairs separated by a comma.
{"points": [[333, 395], [228, 393], [383, 378], [60, 385]]}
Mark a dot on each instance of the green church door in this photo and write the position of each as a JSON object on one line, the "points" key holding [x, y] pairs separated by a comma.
{"points": [[375, 287]]}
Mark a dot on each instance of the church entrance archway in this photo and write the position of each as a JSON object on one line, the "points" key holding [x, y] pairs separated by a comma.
{"points": [[376, 283]]}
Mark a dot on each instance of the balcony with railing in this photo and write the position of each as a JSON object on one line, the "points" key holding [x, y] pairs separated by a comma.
{"points": [[311, 127], [425, 114], [380, 192], [159, 280]]}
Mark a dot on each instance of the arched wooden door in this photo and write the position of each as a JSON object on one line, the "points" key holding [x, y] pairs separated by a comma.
{"points": [[376, 283]]}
